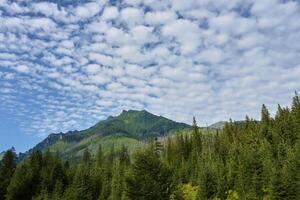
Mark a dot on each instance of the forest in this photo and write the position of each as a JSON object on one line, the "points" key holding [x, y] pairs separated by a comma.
{"points": [[251, 159]]}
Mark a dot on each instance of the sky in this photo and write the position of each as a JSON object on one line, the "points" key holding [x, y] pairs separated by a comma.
{"points": [[65, 65]]}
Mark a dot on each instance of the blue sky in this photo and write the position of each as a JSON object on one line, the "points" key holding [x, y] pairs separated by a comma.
{"points": [[65, 66]]}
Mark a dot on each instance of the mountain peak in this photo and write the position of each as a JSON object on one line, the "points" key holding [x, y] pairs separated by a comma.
{"points": [[135, 125], [134, 111]]}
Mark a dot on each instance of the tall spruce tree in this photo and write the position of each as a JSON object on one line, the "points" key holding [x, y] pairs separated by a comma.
{"points": [[7, 168], [150, 179]]}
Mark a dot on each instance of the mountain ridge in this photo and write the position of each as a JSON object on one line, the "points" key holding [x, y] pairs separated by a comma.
{"points": [[130, 126], [217, 125]]}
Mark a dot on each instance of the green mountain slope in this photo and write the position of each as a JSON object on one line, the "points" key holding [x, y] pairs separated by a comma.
{"points": [[130, 128], [217, 125]]}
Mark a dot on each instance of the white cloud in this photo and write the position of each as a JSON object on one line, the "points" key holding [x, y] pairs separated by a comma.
{"points": [[185, 32], [116, 36], [99, 79], [30, 24], [132, 16], [48, 9], [88, 10], [110, 13], [93, 69], [142, 34], [160, 17], [231, 23], [22, 69], [211, 56]]}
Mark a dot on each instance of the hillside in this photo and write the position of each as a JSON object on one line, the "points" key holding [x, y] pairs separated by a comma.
{"points": [[217, 125], [129, 128]]}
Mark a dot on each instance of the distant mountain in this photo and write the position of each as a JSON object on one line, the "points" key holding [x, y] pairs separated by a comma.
{"points": [[129, 128], [220, 125], [217, 125]]}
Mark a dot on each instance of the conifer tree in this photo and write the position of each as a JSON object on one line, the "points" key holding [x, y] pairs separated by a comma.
{"points": [[7, 168], [265, 124], [124, 156], [86, 157], [150, 179], [117, 184], [20, 186], [295, 112], [197, 139], [80, 187], [99, 157]]}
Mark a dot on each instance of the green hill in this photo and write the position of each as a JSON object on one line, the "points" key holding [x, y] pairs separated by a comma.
{"points": [[217, 125], [130, 128]]}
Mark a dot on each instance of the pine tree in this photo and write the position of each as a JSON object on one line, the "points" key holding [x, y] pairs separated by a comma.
{"points": [[196, 139], [295, 111], [106, 182], [35, 167], [207, 181], [7, 168], [265, 125], [284, 126], [99, 157], [124, 156], [80, 188], [150, 179], [86, 159], [117, 184], [58, 191], [20, 186], [290, 176]]}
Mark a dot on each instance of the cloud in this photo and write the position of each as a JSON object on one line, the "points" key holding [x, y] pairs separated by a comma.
{"points": [[185, 32], [93, 69], [160, 17], [65, 67], [232, 24], [211, 56], [48, 9], [22, 69], [110, 13], [18, 24], [132, 16], [88, 10], [142, 34]]}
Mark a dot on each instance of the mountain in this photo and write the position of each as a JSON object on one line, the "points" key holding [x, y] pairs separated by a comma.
{"points": [[217, 125], [129, 128]]}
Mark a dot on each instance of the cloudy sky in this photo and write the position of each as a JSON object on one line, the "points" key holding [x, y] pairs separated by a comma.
{"points": [[66, 65]]}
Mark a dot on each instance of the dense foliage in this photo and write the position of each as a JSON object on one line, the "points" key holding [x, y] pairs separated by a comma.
{"points": [[248, 160]]}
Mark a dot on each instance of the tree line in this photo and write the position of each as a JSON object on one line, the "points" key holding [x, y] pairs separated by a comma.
{"points": [[246, 160]]}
